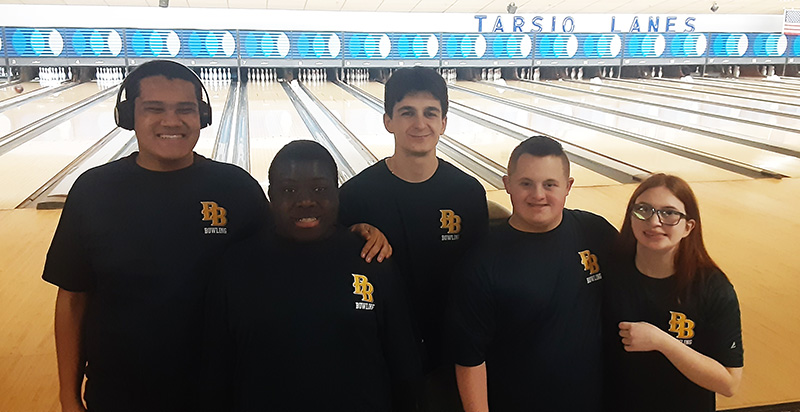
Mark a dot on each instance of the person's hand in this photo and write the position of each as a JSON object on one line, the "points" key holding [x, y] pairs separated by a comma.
{"points": [[641, 336], [376, 245]]}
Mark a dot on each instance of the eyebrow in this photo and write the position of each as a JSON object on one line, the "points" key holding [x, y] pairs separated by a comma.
{"points": [[179, 104], [428, 108]]}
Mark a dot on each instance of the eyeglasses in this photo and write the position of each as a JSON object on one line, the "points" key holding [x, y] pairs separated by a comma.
{"points": [[669, 217]]}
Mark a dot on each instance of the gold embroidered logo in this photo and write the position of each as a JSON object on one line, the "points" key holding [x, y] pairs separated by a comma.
{"points": [[362, 287], [678, 323], [214, 214], [589, 262], [450, 221]]}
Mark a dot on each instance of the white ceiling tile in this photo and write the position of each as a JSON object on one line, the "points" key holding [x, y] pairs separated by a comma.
{"points": [[86, 2], [466, 6], [324, 5], [247, 4], [361, 5], [286, 4]]}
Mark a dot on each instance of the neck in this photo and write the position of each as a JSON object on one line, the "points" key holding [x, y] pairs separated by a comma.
{"points": [[413, 169], [520, 224], [157, 165], [655, 264]]}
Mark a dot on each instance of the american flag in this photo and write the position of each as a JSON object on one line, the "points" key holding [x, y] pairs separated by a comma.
{"points": [[791, 22]]}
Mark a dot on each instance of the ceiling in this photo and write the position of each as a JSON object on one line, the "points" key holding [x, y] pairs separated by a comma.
{"points": [[464, 6]]}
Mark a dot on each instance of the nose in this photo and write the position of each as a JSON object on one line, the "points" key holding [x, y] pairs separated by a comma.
{"points": [[170, 118], [537, 192], [654, 220], [419, 122]]}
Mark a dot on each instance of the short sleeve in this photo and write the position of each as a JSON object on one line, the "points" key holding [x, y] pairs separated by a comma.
{"points": [[68, 265], [471, 314], [724, 314]]}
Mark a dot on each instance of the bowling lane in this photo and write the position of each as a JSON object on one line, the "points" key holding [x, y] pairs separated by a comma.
{"points": [[273, 123], [758, 157], [27, 113], [495, 145], [687, 90], [756, 86], [217, 93], [8, 92], [633, 153], [768, 84], [782, 103], [757, 133], [677, 99], [28, 166]]}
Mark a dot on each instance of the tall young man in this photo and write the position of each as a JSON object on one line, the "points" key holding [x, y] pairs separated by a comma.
{"points": [[430, 211], [298, 321], [132, 242], [525, 319]]}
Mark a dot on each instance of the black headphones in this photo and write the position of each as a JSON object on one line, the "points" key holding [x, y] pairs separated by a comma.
{"points": [[123, 110]]}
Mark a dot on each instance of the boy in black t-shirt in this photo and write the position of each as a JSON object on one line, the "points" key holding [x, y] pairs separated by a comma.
{"points": [[297, 321], [525, 320], [130, 246], [430, 211]]}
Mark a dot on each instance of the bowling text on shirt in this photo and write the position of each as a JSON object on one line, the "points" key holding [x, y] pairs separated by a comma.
{"points": [[216, 215]]}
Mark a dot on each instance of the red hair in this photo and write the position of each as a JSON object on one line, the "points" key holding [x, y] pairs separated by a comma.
{"points": [[692, 260]]}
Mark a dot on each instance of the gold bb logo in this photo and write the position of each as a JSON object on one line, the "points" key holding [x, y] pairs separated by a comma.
{"points": [[589, 262], [450, 221], [678, 323], [362, 287], [214, 214]]}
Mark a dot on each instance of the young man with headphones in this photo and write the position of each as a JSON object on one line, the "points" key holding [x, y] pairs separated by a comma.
{"points": [[131, 249]]}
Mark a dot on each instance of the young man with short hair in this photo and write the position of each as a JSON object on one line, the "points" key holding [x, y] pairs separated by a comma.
{"points": [[134, 237], [525, 316], [430, 211], [297, 320]]}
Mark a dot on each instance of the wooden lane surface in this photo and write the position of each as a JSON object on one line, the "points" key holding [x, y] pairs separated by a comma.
{"points": [[28, 379], [764, 159], [273, 123], [751, 229], [678, 98], [737, 96], [8, 92], [764, 132], [27, 167], [637, 154]]}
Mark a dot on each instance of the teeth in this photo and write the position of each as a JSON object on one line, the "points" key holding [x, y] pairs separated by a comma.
{"points": [[169, 136], [307, 219]]}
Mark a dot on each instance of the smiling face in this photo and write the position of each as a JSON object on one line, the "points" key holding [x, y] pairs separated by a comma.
{"points": [[167, 123], [304, 199], [538, 187], [651, 234], [416, 122]]}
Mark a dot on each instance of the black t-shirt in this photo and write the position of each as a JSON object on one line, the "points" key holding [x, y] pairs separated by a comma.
{"points": [[138, 242], [307, 327], [430, 225], [707, 320], [529, 305]]}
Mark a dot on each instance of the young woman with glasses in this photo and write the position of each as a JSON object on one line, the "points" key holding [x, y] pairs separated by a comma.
{"points": [[673, 330]]}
